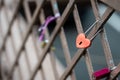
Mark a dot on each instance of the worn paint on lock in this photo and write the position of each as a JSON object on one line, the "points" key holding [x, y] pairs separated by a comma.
{"points": [[82, 41]]}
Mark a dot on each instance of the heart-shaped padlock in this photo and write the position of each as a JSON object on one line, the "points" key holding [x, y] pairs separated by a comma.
{"points": [[82, 41]]}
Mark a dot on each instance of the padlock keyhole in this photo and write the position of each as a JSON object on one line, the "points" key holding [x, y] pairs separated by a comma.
{"points": [[80, 43]]}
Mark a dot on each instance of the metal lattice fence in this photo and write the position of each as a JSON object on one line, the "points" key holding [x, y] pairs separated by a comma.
{"points": [[39, 14]]}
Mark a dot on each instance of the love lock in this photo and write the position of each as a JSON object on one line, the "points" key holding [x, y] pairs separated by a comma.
{"points": [[101, 73], [82, 41]]}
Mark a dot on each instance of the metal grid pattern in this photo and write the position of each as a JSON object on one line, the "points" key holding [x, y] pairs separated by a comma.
{"points": [[70, 8]]}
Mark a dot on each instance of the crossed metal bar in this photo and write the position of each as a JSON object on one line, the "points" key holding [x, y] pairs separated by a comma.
{"points": [[71, 7]]}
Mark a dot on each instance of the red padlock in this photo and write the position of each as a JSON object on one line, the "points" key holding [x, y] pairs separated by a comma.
{"points": [[101, 73], [82, 41]]}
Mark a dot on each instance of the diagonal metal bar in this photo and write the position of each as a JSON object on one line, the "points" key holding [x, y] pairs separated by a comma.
{"points": [[1, 76], [1, 4], [63, 18], [80, 52], [103, 36], [95, 9], [104, 40], [109, 11], [115, 72], [27, 11], [8, 63], [19, 69], [112, 3], [42, 19], [11, 23], [26, 57], [27, 35], [37, 53], [13, 45], [29, 17], [63, 39], [107, 50], [51, 53], [80, 30], [89, 64]]}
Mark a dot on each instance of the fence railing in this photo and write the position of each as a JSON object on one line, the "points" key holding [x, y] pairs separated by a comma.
{"points": [[59, 30]]}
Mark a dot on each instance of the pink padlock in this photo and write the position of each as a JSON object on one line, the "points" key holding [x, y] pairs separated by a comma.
{"points": [[101, 73]]}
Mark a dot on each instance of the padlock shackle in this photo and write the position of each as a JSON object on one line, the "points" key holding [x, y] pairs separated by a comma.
{"points": [[91, 26]]}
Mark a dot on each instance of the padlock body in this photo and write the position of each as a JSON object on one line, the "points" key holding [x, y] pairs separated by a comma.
{"points": [[101, 73]]}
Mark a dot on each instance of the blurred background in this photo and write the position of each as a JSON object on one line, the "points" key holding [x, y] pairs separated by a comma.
{"points": [[29, 56]]}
